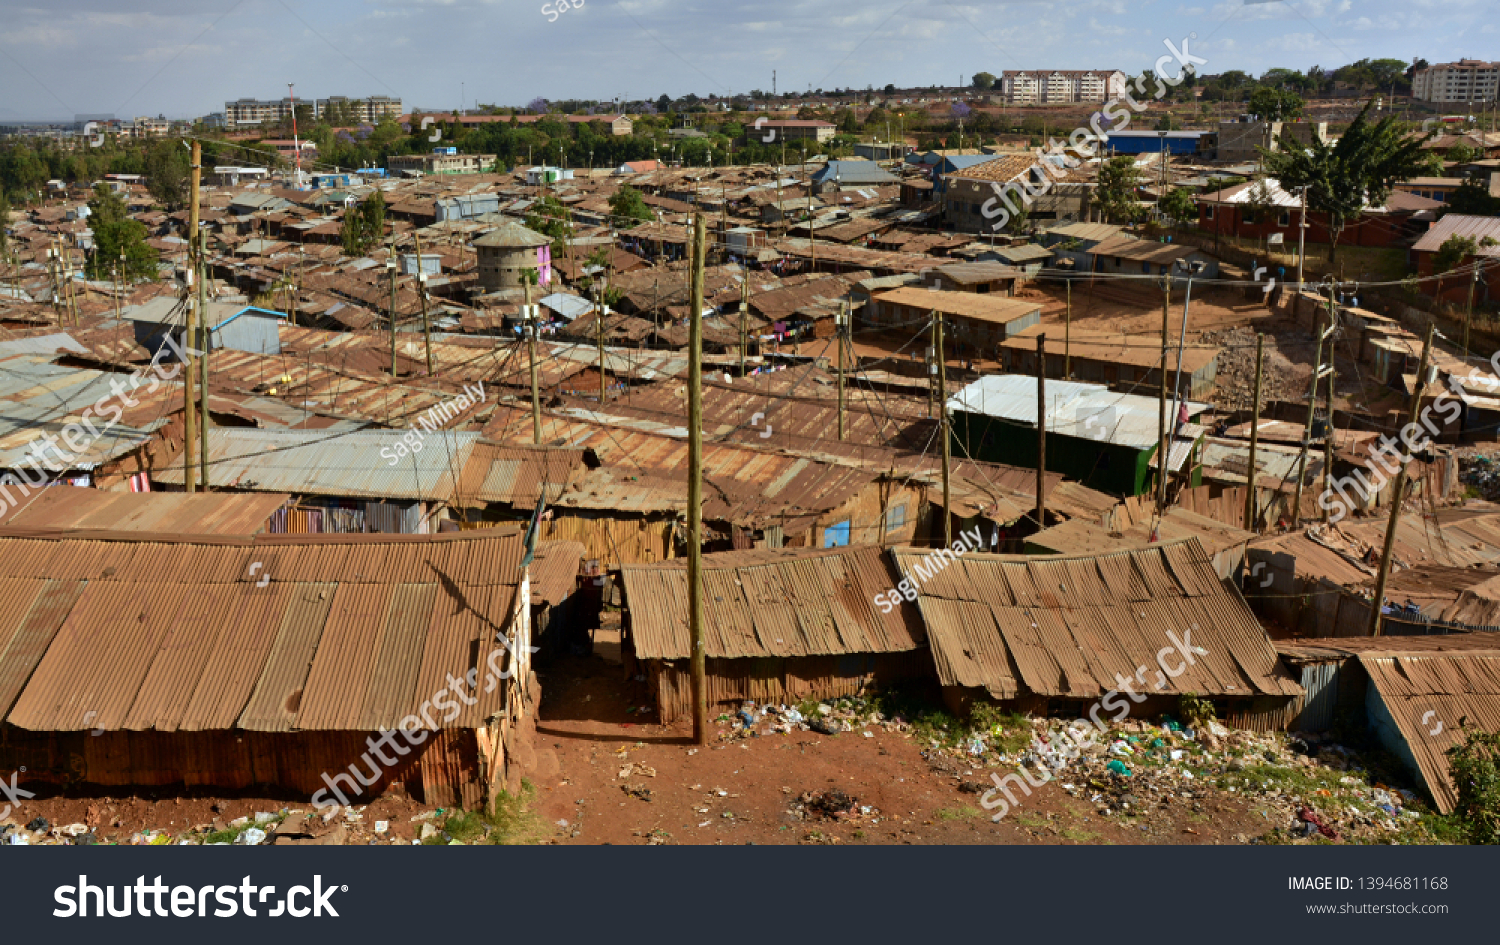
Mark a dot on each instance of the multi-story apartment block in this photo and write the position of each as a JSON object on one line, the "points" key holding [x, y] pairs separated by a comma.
{"points": [[363, 110], [1061, 85], [250, 111], [1468, 80]]}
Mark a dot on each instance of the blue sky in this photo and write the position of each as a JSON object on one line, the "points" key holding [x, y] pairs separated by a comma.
{"points": [[184, 58]]}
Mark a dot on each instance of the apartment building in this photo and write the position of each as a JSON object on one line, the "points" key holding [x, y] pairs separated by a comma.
{"points": [[1062, 85], [791, 129], [440, 161], [250, 111], [362, 110], [1468, 80]]}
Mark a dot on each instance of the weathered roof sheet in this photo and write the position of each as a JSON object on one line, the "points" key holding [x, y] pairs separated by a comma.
{"points": [[169, 513], [1087, 411], [1454, 686], [518, 475], [772, 603], [312, 462], [350, 633], [1065, 626]]}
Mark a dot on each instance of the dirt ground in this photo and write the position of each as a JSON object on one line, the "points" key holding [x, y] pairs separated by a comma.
{"points": [[746, 790]]}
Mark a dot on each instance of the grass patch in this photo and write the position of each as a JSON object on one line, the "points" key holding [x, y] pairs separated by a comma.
{"points": [[508, 821], [958, 813], [231, 834], [1078, 834], [1032, 821]]}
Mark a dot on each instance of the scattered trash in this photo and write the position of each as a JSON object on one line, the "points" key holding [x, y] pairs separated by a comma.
{"points": [[252, 836], [1118, 767]]}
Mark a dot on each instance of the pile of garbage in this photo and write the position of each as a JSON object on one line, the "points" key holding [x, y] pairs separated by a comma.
{"points": [[1302, 785], [1482, 473], [830, 805], [336, 826], [829, 717]]}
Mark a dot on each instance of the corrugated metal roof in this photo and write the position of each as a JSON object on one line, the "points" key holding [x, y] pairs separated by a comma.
{"points": [[554, 571], [310, 462], [169, 513], [38, 399], [167, 634], [1068, 624], [1457, 224], [1449, 686], [772, 603], [1086, 411], [518, 475]]}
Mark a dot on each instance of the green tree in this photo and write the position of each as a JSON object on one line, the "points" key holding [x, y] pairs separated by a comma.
{"points": [[1276, 104], [1178, 206], [550, 218], [1473, 199], [983, 80], [1475, 769], [4, 225], [1462, 154], [364, 225], [116, 236], [626, 203], [1118, 180], [1357, 170]]}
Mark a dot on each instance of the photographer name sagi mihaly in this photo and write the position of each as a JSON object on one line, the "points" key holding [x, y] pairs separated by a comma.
{"points": [[431, 421]]}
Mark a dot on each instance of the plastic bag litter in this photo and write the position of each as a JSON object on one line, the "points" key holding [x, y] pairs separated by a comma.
{"points": [[1118, 767], [792, 715], [252, 836]]}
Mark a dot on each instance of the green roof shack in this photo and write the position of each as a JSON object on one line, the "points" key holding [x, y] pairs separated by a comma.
{"points": [[1103, 439]]}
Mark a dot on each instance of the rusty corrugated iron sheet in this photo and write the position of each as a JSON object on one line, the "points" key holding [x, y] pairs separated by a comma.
{"points": [[1453, 686], [518, 475], [554, 571], [175, 513], [161, 633], [772, 603], [1065, 626]]}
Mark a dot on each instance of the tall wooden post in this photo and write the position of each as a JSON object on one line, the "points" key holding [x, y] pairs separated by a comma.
{"points": [[422, 292], [190, 333], [1041, 432], [528, 315], [744, 318], [695, 488], [841, 329], [391, 265], [1312, 399], [1162, 448], [1068, 335], [1260, 355], [1398, 491], [207, 343], [599, 340], [1328, 444], [943, 431]]}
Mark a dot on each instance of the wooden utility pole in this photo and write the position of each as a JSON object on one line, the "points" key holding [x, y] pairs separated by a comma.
{"points": [[204, 331], [1161, 404], [1312, 399], [1068, 335], [189, 411], [391, 266], [812, 230], [695, 488], [529, 318], [744, 318], [1041, 432], [1328, 443], [1260, 355], [1469, 312], [422, 292], [599, 340], [841, 328], [942, 405], [117, 290], [1398, 492]]}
